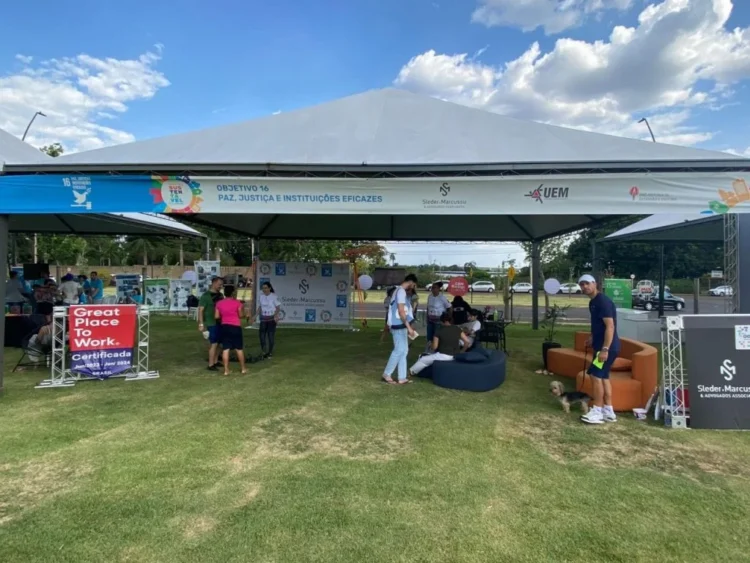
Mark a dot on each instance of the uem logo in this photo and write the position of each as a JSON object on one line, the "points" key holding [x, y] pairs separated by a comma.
{"points": [[548, 192], [728, 370], [634, 192], [304, 287], [445, 189]]}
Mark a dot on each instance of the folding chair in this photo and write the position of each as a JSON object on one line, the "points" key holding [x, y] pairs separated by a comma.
{"points": [[493, 333]]}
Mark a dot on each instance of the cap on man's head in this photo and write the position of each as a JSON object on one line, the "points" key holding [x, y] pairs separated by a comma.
{"points": [[587, 278]]}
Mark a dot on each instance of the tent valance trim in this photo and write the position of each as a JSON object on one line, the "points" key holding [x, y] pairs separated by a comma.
{"points": [[395, 171]]}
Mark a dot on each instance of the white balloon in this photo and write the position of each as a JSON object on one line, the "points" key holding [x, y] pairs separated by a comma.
{"points": [[365, 282], [191, 276], [552, 286]]}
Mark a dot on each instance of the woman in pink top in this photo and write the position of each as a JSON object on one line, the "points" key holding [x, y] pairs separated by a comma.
{"points": [[230, 311]]}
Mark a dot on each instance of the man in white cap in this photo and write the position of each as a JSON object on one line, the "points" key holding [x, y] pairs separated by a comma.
{"points": [[605, 345]]}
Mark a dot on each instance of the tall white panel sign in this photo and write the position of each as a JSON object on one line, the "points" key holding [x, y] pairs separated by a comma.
{"points": [[310, 294]]}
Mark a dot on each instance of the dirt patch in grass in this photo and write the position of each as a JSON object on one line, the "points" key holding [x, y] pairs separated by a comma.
{"points": [[624, 445], [198, 526], [24, 486], [305, 432], [248, 495]]}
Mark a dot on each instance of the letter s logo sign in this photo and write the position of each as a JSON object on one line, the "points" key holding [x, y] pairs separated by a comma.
{"points": [[304, 287], [445, 189]]}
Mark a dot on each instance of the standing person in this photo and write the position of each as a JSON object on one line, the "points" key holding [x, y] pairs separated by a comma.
{"points": [[83, 281], [71, 290], [399, 324], [269, 308], [207, 320], [460, 311], [437, 304], [605, 345], [96, 289], [387, 305], [14, 291], [446, 344], [231, 312]]}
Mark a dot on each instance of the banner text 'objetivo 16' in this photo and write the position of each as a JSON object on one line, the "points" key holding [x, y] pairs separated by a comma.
{"points": [[601, 194], [102, 338]]}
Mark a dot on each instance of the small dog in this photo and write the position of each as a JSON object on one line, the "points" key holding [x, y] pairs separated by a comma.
{"points": [[569, 398]]}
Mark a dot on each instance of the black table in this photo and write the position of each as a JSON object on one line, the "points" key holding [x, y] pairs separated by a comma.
{"points": [[16, 328]]}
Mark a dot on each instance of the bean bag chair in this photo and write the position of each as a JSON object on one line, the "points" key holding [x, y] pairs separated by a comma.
{"points": [[476, 370]]}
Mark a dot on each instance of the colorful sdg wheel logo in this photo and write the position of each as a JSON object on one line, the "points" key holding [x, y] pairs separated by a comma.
{"points": [[176, 194]]}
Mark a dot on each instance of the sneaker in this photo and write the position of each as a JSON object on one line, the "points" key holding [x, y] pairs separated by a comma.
{"points": [[594, 416], [609, 415], [212, 368]]}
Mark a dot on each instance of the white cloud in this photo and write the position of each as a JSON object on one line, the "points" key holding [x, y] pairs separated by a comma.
{"points": [[25, 59], [745, 153], [679, 57], [552, 15], [76, 93]]}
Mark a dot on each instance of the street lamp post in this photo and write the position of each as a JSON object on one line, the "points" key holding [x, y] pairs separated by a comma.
{"points": [[644, 120], [30, 123], [23, 139]]}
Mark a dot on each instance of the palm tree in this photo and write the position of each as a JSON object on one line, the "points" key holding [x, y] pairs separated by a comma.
{"points": [[142, 246]]}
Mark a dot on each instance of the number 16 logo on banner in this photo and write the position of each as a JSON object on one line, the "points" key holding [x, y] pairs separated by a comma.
{"points": [[101, 338]]}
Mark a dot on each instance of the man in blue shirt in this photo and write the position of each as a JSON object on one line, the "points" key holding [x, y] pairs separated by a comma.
{"points": [[605, 346], [96, 289]]}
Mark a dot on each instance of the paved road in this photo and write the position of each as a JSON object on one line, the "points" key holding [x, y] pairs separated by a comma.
{"points": [[707, 306]]}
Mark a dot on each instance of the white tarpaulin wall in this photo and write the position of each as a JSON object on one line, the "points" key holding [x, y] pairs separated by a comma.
{"points": [[310, 294]]}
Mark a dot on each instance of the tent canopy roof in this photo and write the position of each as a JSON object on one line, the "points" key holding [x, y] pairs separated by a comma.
{"points": [[673, 228], [500, 228], [14, 150], [385, 128], [131, 224]]}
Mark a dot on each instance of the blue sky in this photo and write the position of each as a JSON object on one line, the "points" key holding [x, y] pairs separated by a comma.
{"points": [[110, 72]]}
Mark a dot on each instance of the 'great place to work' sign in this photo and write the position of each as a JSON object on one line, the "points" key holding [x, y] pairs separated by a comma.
{"points": [[718, 360], [101, 339]]}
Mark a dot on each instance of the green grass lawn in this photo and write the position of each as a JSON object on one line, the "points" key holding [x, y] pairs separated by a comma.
{"points": [[311, 458]]}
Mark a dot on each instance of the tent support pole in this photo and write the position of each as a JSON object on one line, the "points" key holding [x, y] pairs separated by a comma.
{"points": [[662, 280], [743, 264], [536, 264], [595, 265], [3, 277]]}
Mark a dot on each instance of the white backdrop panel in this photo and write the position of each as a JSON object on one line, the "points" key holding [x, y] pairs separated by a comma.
{"points": [[310, 294]]}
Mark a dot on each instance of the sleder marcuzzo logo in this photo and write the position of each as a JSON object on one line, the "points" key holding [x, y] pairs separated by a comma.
{"points": [[543, 193], [304, 287]]}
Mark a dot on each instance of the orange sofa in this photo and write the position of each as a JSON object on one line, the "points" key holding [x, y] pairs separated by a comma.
{"points": [[634, 375]]}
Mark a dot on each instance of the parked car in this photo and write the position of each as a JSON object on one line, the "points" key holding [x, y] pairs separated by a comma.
{"points": [[651, 302], [570, 288], [428, 287], [483, 287], [722, 291], [522, 288], [636, 291]]}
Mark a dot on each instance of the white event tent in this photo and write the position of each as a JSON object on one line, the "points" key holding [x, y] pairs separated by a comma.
{"points": [[386, 165]]}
